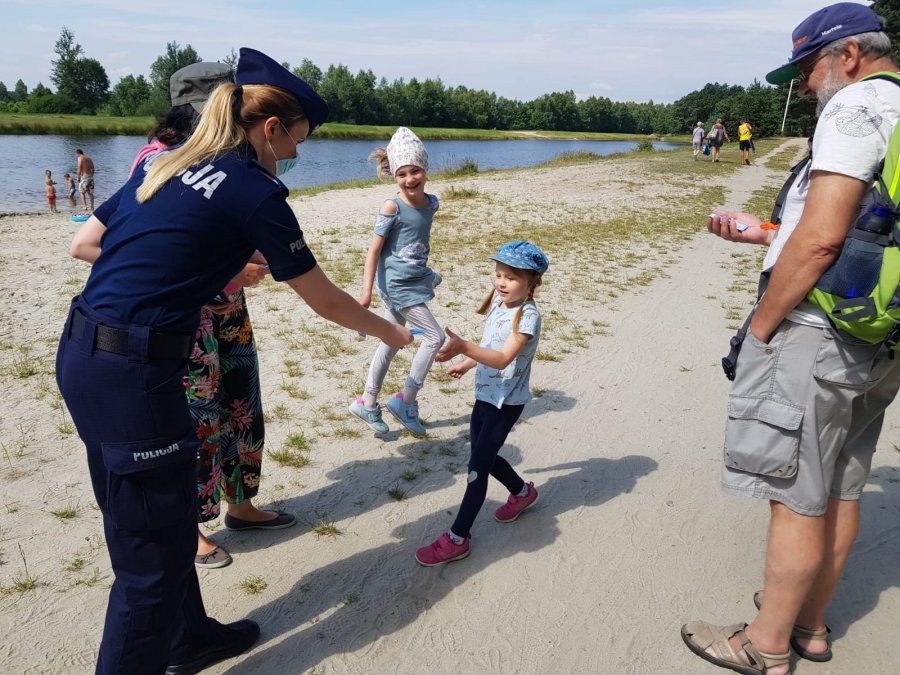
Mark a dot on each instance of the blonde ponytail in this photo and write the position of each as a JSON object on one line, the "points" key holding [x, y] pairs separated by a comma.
{"points": [[382, 166], [228, 116]]}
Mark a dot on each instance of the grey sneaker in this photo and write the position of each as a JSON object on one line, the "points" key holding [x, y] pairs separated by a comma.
{"points": [[215, 559], [406, 413], [370, 417]]}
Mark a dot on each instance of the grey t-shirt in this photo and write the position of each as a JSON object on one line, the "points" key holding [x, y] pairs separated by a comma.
{"points": [[509, 386], [403, 277]]}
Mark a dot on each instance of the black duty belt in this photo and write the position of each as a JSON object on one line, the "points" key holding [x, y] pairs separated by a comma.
{"points": [[161, 346]]}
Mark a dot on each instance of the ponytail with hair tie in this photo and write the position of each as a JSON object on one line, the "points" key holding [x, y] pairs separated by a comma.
{"points": [[238, 94]]}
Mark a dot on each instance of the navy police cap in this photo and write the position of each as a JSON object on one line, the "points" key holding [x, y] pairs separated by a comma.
{"points": [[256, 68]]}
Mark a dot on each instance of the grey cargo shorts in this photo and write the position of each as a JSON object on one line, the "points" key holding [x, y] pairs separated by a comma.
{"points": [[804, 415]]}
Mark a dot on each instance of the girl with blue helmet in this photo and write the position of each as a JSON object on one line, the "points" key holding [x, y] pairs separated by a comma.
{"points": [[173, 236], [503, 359]]}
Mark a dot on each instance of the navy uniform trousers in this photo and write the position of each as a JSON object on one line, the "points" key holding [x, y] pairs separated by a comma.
{"points": [[132, 414]]}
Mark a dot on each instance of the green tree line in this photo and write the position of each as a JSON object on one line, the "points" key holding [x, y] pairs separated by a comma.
{"points": [[82, 86]]}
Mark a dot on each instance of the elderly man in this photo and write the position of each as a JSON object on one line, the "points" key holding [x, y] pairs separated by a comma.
{"points": [[808, 402]]}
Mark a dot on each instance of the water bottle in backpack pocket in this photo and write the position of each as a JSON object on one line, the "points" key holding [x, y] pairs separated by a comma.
{"points": [[859, 292]]}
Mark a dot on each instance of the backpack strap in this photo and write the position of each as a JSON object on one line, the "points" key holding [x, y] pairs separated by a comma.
{"points": [[778, 209], [890, 159]]}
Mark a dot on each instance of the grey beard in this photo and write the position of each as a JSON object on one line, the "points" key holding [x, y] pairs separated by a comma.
{"points": [[831, 85]]}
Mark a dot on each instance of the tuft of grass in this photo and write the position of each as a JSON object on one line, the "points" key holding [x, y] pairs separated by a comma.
{"points": [[297, 441], [294, 391], [90, 581], [288, 457], [645, 145], [544, 355], [280, 412], [326, 529], [456, 193], [397, 494], [409, 475], [344, 431], [253, 585], [76, 565], [465, 167], [65, 513]]}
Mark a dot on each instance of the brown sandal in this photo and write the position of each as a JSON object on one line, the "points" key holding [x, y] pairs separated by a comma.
{"points": [[804, 634], [700, 636]]}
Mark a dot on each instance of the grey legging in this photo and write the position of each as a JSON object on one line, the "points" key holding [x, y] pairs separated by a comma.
{"points": [[432, 339]]}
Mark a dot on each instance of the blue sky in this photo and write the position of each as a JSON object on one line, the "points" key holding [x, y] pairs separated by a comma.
{"points": [[627, 50]]}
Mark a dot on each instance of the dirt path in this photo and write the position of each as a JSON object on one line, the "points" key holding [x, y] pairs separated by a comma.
{"points": [[630, 539]]}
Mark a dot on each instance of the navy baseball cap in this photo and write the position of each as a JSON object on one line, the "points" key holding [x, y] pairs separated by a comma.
{"points": [[256, 68], [821, 28], [522, 255]]}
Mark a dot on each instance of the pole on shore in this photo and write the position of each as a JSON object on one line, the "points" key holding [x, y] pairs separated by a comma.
{"points": [[786, 104]]}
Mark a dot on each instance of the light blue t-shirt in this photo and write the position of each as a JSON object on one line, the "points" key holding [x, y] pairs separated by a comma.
{"points": [[509, 386], [403, 277]]}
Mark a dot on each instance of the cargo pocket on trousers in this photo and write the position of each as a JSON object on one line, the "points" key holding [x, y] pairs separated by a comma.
{"points": [[151, 485], [763, 436]]}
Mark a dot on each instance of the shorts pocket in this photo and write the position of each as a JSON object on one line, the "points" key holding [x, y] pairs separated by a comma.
{"points": [[845, 363], [763, 436], [151, 484]]}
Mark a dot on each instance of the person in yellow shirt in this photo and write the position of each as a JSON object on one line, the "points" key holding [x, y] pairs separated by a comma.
{"points": [[745, 133]]}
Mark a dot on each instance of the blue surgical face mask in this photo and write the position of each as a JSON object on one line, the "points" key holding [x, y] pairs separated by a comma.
{"points": [[282, 166]]}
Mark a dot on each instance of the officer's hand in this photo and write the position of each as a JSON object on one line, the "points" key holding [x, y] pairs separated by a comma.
{"points": [[251, 275], [396, 336]]}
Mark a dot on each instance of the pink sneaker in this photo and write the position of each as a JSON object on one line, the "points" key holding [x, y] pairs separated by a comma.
{"points": [[442, 550], [515, 505]]}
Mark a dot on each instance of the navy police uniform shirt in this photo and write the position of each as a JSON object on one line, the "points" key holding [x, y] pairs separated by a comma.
{"points": [[162, 260]]}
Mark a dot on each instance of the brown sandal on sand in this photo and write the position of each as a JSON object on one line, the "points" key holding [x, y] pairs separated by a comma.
{"points": [[804, 634], [700, 636]]}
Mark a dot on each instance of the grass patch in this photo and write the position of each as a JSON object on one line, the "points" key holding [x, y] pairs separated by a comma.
{"points": [[253, 585], [326, 529], [456, 193], [397, 494], [288, 457], [65, 513]]}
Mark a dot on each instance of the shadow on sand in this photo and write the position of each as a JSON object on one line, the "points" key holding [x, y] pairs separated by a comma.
{"points": [[351, 603]]}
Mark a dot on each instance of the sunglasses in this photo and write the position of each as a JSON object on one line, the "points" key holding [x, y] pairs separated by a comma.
{"points": [[805, 71]]}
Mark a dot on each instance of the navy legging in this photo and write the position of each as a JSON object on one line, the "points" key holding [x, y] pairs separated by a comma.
{"points": [[488, 428]]}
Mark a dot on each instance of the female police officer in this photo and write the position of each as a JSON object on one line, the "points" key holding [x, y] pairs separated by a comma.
{"points": [[173, 235]]}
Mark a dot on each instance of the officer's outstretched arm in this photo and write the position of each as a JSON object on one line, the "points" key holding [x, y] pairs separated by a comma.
{"points": [[330, 302], [86, 243]]}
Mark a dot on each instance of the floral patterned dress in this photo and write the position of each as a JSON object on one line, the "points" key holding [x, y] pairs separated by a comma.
{"points": [[224, 394]]}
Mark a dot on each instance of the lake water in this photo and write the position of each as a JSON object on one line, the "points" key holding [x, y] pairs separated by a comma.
{"points": [[322, 161]]}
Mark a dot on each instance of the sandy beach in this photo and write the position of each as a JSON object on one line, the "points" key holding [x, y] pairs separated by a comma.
{"points": [[631, 537]]}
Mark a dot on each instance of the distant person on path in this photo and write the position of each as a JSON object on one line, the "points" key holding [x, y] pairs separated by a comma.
{"points": [[807, 403], [717, 136], [85, 178], [745, 134], [50, 191], [697, 139], [71, 189], [397, 264], [503, 359]]}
